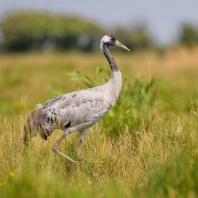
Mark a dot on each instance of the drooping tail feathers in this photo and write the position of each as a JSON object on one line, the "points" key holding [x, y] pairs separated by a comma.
{"points": [[33, 125]]}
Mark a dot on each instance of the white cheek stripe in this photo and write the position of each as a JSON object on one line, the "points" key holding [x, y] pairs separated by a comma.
{"points": [[103, 40]]}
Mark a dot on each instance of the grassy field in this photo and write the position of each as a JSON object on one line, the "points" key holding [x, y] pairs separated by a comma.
{"points": [[146, 146]]}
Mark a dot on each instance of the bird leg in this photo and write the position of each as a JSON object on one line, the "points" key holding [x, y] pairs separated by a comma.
{"points": [[54, 148], [82, 134], [82, 128]]}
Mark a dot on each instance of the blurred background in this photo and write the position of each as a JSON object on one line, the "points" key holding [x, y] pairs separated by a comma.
{"points": [[49, 25]]}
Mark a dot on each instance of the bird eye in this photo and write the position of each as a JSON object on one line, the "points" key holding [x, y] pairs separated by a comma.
{"points": [[112, 39]]}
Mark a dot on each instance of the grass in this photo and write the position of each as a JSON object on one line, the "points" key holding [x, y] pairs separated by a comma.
{"points": [[146, 146]]}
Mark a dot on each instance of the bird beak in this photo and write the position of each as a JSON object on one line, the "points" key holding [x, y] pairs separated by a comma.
{"points": [[117, 43]]}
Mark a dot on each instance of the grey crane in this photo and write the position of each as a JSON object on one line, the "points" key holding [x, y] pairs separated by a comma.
{"points": [[77, 111]]}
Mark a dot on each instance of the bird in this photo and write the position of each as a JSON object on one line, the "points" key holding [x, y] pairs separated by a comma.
{"points": [[79, 110]]}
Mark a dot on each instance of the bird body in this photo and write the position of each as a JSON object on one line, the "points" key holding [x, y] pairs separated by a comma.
{"points": [[77, 111]]}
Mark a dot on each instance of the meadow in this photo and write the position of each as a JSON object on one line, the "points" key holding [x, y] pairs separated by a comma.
{"points": [[146, 146]]}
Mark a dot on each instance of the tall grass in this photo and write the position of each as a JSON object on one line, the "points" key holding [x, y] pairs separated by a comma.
{"points": [[146, 146]]}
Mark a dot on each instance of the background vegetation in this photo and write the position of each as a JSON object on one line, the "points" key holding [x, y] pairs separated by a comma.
{"points": [[146, 146], [29, 31], [35, 31]]}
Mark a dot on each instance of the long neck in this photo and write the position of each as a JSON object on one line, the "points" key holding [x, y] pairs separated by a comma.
{"points": [[109, 57], [116, 79]]}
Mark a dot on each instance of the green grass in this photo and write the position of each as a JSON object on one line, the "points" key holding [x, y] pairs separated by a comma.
{"points": [[146, 146]]}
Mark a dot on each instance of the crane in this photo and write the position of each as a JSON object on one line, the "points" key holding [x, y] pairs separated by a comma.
{"points": [[77, 111]]}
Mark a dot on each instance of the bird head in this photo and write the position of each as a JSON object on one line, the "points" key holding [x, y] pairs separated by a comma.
{"points": [[109, 39]]}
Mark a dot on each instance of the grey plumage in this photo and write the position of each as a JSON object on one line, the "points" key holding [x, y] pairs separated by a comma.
{"points": [[77, 111]]}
